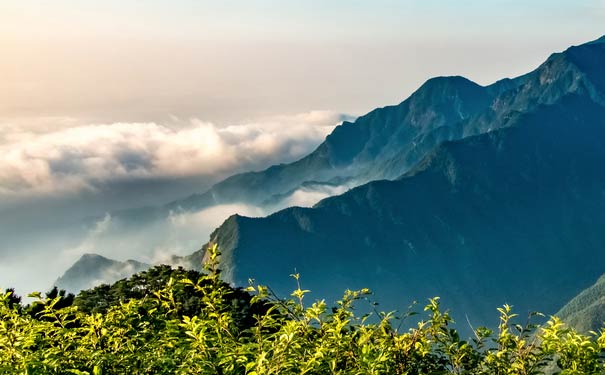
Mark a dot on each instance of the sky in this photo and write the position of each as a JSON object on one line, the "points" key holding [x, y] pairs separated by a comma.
{"points": [[112, 104], [226, 61]]}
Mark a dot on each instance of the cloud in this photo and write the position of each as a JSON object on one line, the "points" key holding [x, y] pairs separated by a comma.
{"points": [[179, 233], [307, 196], [42, 164], [55, 159], [89, 243], [186, 232], [38, 260]]}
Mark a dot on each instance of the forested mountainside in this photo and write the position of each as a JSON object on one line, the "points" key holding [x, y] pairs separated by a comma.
{"points": [[526, 197], [481, 178], [586, 311]]}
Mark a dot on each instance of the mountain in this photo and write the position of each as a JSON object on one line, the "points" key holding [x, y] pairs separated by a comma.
{"points": [[507, 208], [370, 225], [389, 141], [382, 144], [365, 149], [586, 311], [92, 270]]}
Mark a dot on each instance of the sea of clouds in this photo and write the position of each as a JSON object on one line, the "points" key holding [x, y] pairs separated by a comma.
{"points": [[85, 157], [56, 172]]}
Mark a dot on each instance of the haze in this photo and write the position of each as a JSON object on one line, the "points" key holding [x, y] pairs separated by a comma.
{"points": [[113, 104]]}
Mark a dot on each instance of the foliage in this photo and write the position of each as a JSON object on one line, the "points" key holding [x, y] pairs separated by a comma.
{"points": [[187, 299], [63, 299], [155, 331]]}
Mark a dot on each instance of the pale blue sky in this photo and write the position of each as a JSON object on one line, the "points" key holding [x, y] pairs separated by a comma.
{"points": [[116, 60], [313, 20]]}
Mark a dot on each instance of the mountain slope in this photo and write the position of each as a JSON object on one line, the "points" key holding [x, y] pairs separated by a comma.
{"points": [[525, 195], [511, 199], [389, 141], [92, 270], [586, 311], [354, 150]]}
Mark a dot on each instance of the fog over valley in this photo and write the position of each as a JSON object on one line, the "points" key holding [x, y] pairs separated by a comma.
{"points": [[60, 183]]}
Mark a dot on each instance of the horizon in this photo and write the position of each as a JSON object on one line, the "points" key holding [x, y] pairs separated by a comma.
{"points": [[115, 105]]}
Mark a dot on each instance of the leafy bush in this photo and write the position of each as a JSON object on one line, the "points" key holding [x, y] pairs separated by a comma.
{"points": [[149, 333]]}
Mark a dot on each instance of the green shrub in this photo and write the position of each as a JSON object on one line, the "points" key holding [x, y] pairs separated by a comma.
{"points": [[149, 333]]}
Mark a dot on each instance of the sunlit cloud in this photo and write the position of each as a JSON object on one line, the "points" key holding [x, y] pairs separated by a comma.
{"points": [[58, 157], [179, 233], [84, 157]]}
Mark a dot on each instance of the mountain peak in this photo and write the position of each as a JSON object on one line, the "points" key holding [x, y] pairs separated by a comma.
{"points": [[92, 256], [448, 80], [589, 59], [445, 86]]}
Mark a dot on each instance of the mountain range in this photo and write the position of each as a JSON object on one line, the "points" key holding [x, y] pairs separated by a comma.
{"points": [[92, 270], [482, 195], [389, 141]]}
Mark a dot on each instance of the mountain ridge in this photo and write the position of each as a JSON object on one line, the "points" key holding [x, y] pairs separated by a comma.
{"points": [[437, 88], [331, 233], [326, 161], [557, 83], [92, 269], [555, 98]]}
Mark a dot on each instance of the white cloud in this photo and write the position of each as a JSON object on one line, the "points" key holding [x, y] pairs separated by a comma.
{"points": [[38, 161], [89, 242], [186, 232], [55, 159], [179, 233], [35, 265], [309, 196]]}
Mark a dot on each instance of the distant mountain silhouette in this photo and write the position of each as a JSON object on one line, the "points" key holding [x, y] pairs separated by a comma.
{"points": [[92, 270], [514, 214], [383, 144], [388, 141], [481, 195], [586, 311]]}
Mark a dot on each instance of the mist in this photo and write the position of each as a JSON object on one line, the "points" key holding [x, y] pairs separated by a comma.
{"points": [[60, 185]]}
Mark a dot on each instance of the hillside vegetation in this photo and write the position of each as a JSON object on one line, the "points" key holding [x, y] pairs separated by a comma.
{"points": [[586, 312], [174, 321], [452, 184]]}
